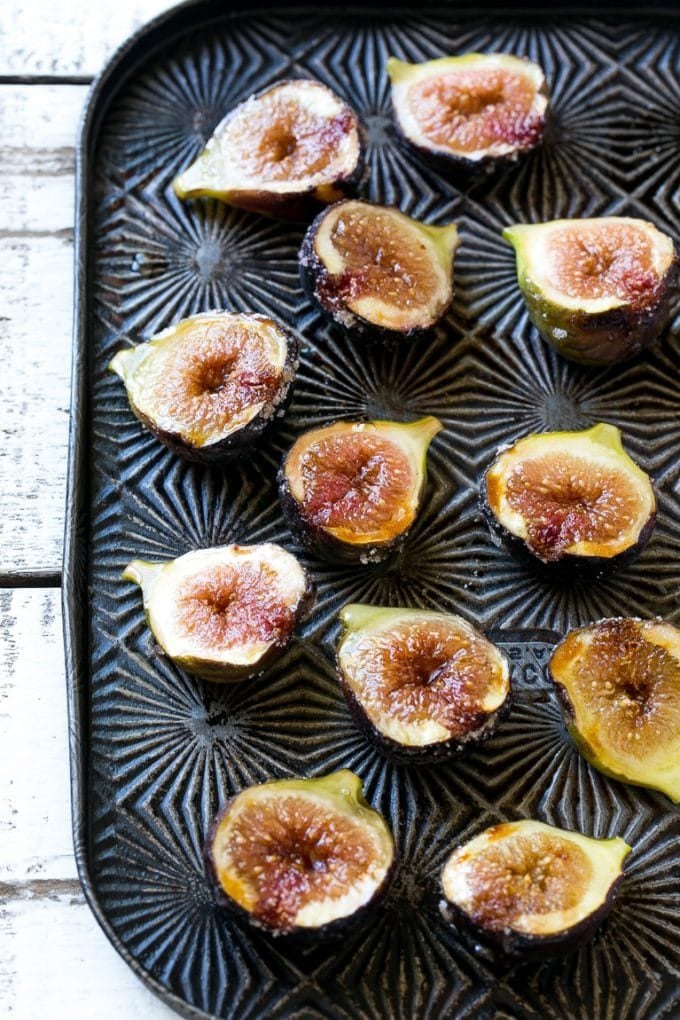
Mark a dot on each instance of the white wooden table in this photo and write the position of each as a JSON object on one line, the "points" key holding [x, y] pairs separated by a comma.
{"points": [[54, 960]]}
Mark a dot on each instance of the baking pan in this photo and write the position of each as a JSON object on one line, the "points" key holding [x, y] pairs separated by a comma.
{"points": [[154, 752]]}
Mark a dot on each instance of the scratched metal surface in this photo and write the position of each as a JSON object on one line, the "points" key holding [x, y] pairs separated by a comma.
{"points": [[155, 752]]}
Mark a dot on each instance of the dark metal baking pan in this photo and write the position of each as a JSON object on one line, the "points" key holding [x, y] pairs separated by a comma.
{"points": [[155, 752]]}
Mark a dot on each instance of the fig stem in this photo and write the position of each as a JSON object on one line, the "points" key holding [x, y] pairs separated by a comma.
{"points": [[143, 573]]}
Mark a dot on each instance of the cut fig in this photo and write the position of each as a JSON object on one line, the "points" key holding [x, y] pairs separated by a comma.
{"points": [[598, 290], [473, 112], [573, 499], [619, 685], [283, 152], [530, 890], [299, 856], [373, 269], [352, 490], [208, 386], [223, 613], [421, 685]]}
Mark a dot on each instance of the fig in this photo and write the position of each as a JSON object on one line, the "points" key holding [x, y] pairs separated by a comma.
{"points": [[618, 682], [283, 152], [571, 499], [421, 685], [469, 113], [223, 613], [599, 290], [208, 386], [375, 270], [530, 890], [302, 856], [352, 490]]}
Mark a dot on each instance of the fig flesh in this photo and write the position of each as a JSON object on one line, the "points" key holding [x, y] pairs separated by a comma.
{"points": [[571, 499], [530, 890], [299, 856], [352, 490], [421, 685], [282, 152], [619, 685], [599, 290], [208, 386], [373, 269], [223, 613], [472, 112]]}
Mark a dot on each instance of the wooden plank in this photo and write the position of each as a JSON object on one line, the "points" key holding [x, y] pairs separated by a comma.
{"points": [[56, 962], [63, 38], [35, 819]]}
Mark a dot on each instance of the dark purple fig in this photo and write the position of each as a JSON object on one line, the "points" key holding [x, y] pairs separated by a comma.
{"points": [[423, 686], [529, 890], [283, 152], [208, 386], [302, 856], [598, 290], [472, 113], [374, 270], [223, 613], [618, 682], [571, 500], [352, 490]]}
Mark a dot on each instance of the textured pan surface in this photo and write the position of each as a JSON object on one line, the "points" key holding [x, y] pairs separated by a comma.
{"points": [[156, 752]]}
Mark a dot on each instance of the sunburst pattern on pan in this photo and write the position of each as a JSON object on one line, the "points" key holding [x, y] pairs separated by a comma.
{"points": [[167, 749]]}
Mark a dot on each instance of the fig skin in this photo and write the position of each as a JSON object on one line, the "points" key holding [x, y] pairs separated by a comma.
{"points": [[569, 565], [316, 540], [667, 785], [317, 282], [296, 935], [429, 754], [457, 166], [598, 339], [241, 441], [295, 206], [509, 945], [145, 575]]}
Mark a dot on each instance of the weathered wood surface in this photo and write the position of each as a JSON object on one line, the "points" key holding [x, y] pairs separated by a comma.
{"points": [[55, 963], [66, 38]]}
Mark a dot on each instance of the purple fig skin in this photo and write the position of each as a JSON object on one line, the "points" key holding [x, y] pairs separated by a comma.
{"points": [[512, 946], [342, 927], [430, 754], [318, 287], [568, 566]]}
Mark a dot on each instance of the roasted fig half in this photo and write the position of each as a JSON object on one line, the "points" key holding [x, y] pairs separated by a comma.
{"points": [[375, 270], [302, 856], [469, 113], [598, 290], [529, 890], [208, 386], [421, 685], [571, 499], [352, 490], [223, 613], [283, 152], [619, 685]]}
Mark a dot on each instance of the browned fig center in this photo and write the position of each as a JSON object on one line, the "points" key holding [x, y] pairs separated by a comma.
{"points": [[211, 381], [630, 685], [234, 605], [278, 139], [523, 875], [417, 671], [564, 500], [474, 109], [290, 851], [611, 260], [359, 481], [381, 257]]}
